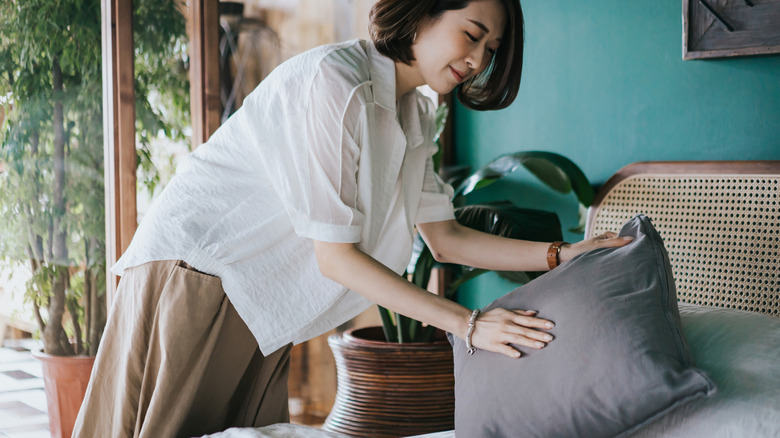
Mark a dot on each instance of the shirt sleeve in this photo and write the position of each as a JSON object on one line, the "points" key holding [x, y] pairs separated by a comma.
{"points": [[436, 199], [312, 157]]}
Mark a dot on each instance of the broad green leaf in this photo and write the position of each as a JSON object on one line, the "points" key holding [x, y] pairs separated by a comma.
{"points": [[582, 214], [554, 170]]}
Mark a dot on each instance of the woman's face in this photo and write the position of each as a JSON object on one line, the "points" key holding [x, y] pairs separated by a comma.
{"points": [[458, 45]]}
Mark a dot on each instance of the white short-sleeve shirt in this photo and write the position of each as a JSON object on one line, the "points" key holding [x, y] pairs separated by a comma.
{"points": [[319, 150]]}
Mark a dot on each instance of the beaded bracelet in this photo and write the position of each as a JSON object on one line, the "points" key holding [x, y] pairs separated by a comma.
{"points": [[470, 349]]}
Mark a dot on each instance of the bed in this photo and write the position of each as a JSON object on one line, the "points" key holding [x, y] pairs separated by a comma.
{"points": [[720, 222]]}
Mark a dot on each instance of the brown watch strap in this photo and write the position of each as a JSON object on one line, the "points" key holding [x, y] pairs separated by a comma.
{"points": [[553, 254]]}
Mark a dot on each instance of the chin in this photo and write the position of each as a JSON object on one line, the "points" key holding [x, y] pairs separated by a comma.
{"points": [[443, 88]]}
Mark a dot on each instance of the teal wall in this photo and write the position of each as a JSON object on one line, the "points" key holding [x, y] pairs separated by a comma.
{"points": [[604, 83]]}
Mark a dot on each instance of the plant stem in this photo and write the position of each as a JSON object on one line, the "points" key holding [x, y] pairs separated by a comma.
{"points": [[55, 341], [74, 318]]}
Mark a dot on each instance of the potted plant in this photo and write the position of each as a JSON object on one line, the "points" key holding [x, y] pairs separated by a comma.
{"points": [[52, 186], [397, 379]]}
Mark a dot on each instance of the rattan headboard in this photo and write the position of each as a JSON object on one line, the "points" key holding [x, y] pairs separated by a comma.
{"points": [[720, 222]]}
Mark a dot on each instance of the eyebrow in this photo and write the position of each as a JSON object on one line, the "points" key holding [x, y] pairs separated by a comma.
{"points": [[480, 25]]}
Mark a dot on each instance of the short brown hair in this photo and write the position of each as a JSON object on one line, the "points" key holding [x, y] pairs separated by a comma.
{"points": [[394, 24]]}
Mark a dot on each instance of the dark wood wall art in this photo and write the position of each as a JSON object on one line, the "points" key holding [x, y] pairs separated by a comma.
{"points": [[721, 28]]}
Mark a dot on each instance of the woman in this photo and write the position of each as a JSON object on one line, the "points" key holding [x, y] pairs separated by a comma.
{"points": [[298, 214]]}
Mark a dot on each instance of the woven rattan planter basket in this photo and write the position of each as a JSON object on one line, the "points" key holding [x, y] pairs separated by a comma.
{"points": [[390, 390]]}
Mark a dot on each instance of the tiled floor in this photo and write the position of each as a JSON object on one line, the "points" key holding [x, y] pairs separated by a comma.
{"points": [[23, 412]]}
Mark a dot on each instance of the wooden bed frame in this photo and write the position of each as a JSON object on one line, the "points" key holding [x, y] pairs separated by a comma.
{"points": [[720, 221]]}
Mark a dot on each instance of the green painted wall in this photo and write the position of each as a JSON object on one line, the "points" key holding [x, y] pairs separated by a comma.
{"points": [[604, 83]]}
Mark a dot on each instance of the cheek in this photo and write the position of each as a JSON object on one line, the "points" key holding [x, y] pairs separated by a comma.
{"points": [[429, 58]]}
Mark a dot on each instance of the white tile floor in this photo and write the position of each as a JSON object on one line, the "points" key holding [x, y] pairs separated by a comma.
{"points": [[23, 412]]}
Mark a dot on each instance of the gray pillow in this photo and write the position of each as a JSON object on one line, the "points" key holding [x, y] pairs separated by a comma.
{"points": [[618, 361]]}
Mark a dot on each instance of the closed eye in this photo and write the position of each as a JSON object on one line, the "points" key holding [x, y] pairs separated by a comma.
{"points": [[471, 37]]}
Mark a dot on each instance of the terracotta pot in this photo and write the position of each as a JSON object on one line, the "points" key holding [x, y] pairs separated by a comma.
{"points": [[65, 380], [388, 389]]}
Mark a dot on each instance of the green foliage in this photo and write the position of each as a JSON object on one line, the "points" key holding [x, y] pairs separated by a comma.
{"points": [[51, 145], [162, 90], [442, 111], [554, 170]]}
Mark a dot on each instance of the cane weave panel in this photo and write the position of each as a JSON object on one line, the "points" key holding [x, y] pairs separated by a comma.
{"points": [[722, 233]]}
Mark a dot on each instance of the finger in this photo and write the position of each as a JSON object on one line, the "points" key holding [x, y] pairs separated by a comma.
{"points": [[525, 341], [615, 241], [535, 335], [524, 312], [531, 321], [508, 351]]}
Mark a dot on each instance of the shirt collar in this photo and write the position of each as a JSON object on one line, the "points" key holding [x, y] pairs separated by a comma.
{"points": [[410, 112], [382, 77], [383, 85]]}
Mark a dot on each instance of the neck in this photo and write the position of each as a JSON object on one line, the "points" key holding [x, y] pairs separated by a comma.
{"points": [[407, 78]]}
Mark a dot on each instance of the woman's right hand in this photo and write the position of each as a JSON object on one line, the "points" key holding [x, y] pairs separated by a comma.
{"points": [[496, 329]]}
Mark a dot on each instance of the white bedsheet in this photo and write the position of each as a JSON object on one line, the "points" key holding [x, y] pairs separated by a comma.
{"points": [[275, 431], [739, 350]]}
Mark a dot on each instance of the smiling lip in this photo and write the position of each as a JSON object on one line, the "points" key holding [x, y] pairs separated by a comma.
{"points": [[458, 75]]}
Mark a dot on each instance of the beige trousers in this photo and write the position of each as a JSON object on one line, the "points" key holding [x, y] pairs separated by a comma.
{"points": [[176, 360]]}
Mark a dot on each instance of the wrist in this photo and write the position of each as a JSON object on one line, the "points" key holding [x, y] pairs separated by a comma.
{"points": [[567, 252], [470, 349], [458, 321]]}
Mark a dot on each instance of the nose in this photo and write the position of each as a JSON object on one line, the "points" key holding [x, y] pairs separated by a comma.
{"points": [[476, 59]]}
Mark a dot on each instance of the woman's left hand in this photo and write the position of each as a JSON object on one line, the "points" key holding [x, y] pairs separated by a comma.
{"points": [[606, 240]]}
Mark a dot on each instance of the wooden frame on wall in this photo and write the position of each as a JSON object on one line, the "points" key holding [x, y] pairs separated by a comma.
{"points": [[725, 28]]}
